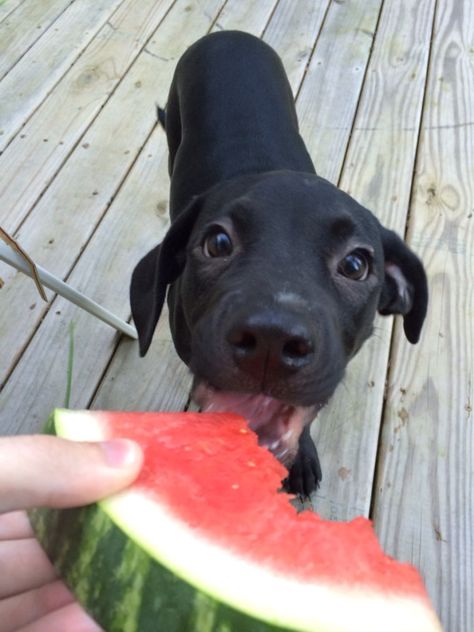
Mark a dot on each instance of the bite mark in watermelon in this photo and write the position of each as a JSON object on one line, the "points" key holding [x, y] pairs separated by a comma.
{"points": [[203, 541]]}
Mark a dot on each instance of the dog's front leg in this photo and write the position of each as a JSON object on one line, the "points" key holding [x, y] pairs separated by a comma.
{"points": [[305, 474]]}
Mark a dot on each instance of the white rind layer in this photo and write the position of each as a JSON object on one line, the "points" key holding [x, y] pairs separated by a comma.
{"points": [[242, 584]]}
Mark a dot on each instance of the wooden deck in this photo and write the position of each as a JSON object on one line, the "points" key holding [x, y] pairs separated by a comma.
{"points": [[385, 96]]}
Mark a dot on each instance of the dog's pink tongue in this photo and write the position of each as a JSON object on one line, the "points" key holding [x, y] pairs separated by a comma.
{"points": [[278, 425], [260, 410]]}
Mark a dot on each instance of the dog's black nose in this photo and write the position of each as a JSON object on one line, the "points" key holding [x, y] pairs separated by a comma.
{"points": [[266, 344]]}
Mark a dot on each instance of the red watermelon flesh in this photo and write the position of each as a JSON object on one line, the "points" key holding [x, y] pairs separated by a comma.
{"points": [[210, 471]]}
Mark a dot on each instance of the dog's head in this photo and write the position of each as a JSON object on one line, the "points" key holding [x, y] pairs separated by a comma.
{"points": [[274, 282]]}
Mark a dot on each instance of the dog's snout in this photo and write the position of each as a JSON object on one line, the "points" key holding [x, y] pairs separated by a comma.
{"points": [[262, 344]]}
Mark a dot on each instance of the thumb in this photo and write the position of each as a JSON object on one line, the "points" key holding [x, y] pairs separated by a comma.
{"points": [[49, 471]]}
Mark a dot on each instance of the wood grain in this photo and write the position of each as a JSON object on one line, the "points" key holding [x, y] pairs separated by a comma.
{"points": [[103, 272], [34, 157], [245, 16], [24, 27], [377, 172], [293, 31], [424, 501], [7, 7], [33, 77], [328, 98]]}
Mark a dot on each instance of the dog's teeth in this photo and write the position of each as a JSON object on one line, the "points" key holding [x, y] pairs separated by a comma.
{"points": [[208, 408], [281, 454]]}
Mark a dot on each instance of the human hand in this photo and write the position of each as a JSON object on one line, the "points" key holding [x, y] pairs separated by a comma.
{"points": [[48, 471]]}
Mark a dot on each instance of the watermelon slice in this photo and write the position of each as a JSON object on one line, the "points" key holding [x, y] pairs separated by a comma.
{"points": [[203, 541]]}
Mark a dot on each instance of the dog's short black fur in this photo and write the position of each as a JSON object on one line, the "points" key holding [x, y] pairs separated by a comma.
{"points": [[273, 274]]}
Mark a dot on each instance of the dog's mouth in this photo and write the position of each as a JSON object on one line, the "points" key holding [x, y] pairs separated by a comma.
{"points": [[277, 424]]}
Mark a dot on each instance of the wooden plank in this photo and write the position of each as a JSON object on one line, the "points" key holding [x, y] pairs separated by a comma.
{"points": [[245, 16], [103, 272], [424, 497], [38, 71], [293, 31], [114, 250], [159, 381], [7, 7], [377, 172], [66, 216], [328, 98], [34, 157], [24, 27]]}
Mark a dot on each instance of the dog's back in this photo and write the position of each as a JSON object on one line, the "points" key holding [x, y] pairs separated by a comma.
{"points": [[230, 103]]}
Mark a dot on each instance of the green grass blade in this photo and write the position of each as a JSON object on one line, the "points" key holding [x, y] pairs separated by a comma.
{"points": [[70, 366]]}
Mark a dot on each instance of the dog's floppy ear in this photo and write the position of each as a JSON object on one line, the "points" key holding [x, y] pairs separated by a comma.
{"points": [[405, 290], [160, 267]]}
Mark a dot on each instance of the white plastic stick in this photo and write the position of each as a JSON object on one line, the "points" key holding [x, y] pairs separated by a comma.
{"points": [[11, 257]]}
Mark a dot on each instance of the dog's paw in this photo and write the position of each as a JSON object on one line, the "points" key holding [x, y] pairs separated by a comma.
{"points": [[305, 474]]}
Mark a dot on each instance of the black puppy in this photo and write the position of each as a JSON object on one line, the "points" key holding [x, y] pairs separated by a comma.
{"points": [[274, 274]]}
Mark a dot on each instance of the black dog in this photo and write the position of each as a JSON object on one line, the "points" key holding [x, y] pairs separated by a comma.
{"points": [[274, 274]]}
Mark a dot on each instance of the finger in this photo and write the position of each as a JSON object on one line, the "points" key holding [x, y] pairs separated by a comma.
{"points": [[49, 471], [15, 526], [30, 606], [24, 566], [71, 618]]}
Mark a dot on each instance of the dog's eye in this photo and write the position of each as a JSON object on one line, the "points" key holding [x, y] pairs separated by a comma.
{"points": [[217, 244], [355, 265]]}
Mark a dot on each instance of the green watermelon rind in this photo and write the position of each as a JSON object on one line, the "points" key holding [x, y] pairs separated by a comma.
{"points": [[153, 585], [140, 595]]}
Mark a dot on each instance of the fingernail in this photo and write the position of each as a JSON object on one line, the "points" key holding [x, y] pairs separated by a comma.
{"points": [[120, 452]]}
